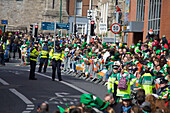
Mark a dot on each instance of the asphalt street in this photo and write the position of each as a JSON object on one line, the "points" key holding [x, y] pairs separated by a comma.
{"points": [[20, 95]]}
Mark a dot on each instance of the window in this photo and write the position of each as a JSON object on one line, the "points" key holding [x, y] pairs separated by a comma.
{"points": [[140, 10], [154, 15], [81, 29], [79, 8]]}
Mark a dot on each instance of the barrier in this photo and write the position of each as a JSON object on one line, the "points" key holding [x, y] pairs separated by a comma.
{"points": [[89, 69]]}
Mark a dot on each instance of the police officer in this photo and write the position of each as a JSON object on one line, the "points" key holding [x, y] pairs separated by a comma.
{"points": [[57, 55], [33, 58], [2, 49], [44, 57]]}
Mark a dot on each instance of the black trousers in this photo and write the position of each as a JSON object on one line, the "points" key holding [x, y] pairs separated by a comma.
{"points": [[32, 69], [43, 61], [56, 64], [2, 58]]}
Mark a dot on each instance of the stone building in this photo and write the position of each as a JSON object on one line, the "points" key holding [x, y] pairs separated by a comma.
{"points": [[105, 14], [21, 13]]}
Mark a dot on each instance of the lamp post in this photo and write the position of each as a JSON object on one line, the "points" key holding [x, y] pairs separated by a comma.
{"points": [[60, 15], [75, 1]]}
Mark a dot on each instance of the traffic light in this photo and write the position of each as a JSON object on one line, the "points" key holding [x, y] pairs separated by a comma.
{"points": [[36, 31], [92, 29], [31, 29]]}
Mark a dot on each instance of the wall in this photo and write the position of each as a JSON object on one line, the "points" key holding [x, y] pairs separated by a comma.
{"points": [[26, 12], [165, 19]]}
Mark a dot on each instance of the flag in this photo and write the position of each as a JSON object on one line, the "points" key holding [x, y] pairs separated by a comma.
{"points": [[65, 56], [103, 72], [80, 67], [98, 65], [94, 67], [86, 73]]}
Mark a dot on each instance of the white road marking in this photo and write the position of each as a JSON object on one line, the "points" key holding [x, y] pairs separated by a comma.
{"points": [[26, 111], [3, 82], [61, 94], [21, 96], [29, 108], [30, 105], [68, 84]]}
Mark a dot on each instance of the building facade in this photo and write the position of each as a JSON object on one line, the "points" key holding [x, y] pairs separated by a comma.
{"points": [[22, 13], [81, 15], [145, 15]]}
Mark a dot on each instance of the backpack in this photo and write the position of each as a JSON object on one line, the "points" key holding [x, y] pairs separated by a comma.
{"points": [[122, 85]]}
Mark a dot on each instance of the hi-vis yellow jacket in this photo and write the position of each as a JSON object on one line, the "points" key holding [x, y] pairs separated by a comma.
{"points": [[33, 54], [58, 54]]}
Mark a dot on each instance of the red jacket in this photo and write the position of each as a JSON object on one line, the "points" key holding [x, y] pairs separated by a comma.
{"points": [[156, 44]]}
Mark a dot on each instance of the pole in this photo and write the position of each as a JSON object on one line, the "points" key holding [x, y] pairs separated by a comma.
{"points": [[75, 2], [89, 25], [117, 18], [60, 15], [55, 29]]}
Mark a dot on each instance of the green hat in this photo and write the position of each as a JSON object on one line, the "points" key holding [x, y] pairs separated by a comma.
{"points": [[104, 44], [154, 48], [100, 104], [87, 99], [138, 44], [82, 47], [27, 42], [84, 44], [126, 97], [158, 52], [165, 49], [75, 45], [137, 50], [133, 63], [155, 72]]}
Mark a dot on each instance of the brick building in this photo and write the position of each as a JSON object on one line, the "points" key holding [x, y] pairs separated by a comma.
{"points": [[81, 15], [142, 15], [21, 13]]}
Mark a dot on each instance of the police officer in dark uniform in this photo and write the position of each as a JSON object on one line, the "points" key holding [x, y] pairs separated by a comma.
{"points": [[2, 49], [33, 59], [44, 57], [57, 55]]}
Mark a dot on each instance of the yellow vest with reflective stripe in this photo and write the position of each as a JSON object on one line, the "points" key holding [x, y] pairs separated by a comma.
{"points": [[56, 55], [34, 54]]}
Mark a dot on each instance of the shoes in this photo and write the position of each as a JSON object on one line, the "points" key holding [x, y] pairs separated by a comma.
{"points": [[32, 78], [39, 71], [59, 79], [53, 79]]}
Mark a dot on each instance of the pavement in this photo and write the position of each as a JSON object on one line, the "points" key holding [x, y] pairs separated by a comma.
{"points": [[20, 95]]}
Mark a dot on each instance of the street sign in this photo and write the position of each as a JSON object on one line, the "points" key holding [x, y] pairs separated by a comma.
{"points": [[89, 14], [63, 26], [109, 39], [115, 28], [47, 26], [4, 21], [50, 26], [103, 27]]}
